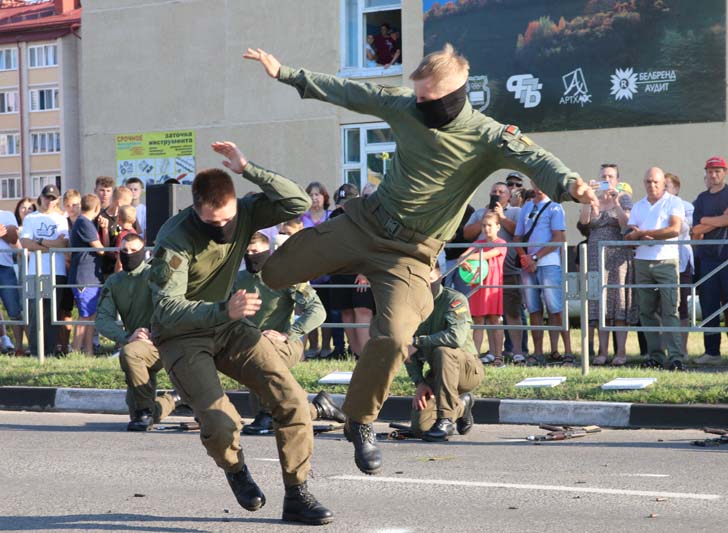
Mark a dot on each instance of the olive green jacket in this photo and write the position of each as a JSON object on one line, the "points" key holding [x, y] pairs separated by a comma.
{"points": [[276, 311], [457, 157], [448, 325], [192, 275], [128, 294]]}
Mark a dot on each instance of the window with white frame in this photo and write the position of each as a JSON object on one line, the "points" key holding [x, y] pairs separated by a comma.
{"points": [[362, 18], [45, 142], [368, 150], [44, 99], [9, 144], [45, 55], [38, 182], [8, 101], [8, 58], [10, 188]]}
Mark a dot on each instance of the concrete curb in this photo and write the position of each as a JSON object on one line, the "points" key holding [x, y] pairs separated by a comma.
{"points": [[485, 411]]}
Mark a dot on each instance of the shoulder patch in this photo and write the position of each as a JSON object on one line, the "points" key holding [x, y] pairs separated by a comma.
{"points": [[456, 303], [512, 130], [175, 261]]}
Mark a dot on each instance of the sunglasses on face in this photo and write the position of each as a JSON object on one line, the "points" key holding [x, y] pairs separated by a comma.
{"points": [[514, 184]]}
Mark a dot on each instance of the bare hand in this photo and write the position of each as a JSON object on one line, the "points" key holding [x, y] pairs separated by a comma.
{"points": [[242, 304], [270, 63], [582, 192], [275, 335], [361, 280], [103, 223], [140, 334], [422, 396], [634, 235], [3, 230], [236, 161], [498, 210], [467, 267]]}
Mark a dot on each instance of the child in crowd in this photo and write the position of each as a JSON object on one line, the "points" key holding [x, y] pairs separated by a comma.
{"points": [[486, 304], [127, 221]]}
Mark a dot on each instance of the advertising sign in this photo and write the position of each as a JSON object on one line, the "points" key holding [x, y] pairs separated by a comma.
{"points": [[156, 157], [554, 65]]}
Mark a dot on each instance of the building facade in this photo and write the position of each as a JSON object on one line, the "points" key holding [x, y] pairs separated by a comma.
{"points": [[152, 66], [39, 110]]}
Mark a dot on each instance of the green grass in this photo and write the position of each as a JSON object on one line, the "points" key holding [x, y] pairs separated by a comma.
{"points": [[672, 387]]}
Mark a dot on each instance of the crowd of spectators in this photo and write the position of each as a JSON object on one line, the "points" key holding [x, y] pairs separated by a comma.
{"points": [[385, 49], [518, 286]]}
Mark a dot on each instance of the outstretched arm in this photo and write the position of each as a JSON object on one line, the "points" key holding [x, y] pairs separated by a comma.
{"points": [[367, 98]]}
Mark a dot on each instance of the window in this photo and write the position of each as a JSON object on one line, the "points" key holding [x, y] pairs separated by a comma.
{"points": [[360, 19], [8, 59], [9, 102], [38, 182], [10, 188], [44, 99], [9, 144], [368, 152], [45, 55], [46, 142]]}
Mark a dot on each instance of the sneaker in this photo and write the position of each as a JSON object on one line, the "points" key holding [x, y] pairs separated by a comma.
{"points": [[519, 359], [487, 358], [6, 345], [323, 354], [708, 359]]}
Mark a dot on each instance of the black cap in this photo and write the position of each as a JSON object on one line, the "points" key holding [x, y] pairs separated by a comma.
{"points": [[50, 191]]}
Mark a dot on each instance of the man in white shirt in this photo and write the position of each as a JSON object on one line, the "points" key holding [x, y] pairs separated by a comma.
{"points": [[46, 228], [658, 217], [136, 186], [9, 296]]}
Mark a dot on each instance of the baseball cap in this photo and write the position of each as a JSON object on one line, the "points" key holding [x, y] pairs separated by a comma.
{"points": [[715, 162], [50, 191], [515, 176]]}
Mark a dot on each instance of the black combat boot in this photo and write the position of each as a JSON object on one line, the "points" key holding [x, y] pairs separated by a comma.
{"points": [[367, 456], [142, 421], [465, 422], [440, 430], [262, 424], [246, 491], [299, 505], [326, 409]]}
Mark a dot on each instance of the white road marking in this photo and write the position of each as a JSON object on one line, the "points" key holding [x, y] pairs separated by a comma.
{"points": [[645, 475], [486, 484]]}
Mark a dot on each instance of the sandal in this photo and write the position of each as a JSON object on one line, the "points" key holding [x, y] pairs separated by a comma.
{"points": [[601, 360], [556, 357], [498, 361], [535, 360], [519, 359], [568, 360], [619, 360]]}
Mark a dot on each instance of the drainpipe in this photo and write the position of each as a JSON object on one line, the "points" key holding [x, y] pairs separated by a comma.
{"points": [[21, 109]]}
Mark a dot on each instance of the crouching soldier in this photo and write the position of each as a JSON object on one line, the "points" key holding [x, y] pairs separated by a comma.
{"points": [[127, 293], [443, 401], [275, 320]]}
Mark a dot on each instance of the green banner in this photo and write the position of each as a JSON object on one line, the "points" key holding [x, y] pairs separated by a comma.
{"points": [[156, 157]]}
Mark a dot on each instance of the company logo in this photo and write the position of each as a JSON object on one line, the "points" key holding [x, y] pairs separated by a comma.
{"points": [[526, 88], [478, 92], [624, 84], [575, 89]]}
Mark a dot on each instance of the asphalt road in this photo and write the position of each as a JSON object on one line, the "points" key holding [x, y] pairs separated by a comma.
{"points": [[83, 472]]}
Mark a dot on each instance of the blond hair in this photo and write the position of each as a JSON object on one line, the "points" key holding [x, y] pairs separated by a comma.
{"points": [[127, 214], [442, 65]]}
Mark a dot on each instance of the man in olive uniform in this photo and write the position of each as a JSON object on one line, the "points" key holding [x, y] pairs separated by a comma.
{"points": [[274, 320], [445, 343], [198, 325], [445, 149], [127, 293]]}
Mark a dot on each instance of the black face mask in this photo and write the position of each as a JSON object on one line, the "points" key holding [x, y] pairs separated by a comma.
{"points": [[220, 234], [131, 261], [254, 262], [440, 112]]}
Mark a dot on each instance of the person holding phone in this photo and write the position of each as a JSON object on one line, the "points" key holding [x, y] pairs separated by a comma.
{"points": [[608, 222]]}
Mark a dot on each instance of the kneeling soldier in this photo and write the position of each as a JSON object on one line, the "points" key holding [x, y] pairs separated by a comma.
{"points": [[127, 293], [443, 400], [274, 320]]}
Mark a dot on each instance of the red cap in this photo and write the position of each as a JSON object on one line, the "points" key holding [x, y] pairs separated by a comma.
{"points": [[715, 162]]}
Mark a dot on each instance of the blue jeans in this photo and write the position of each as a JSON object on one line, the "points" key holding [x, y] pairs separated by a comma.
{"points": [[711, 292], [10, 297], [544, 275]]}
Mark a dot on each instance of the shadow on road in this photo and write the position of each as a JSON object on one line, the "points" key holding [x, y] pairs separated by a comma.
{"points": [[117, 522]]}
